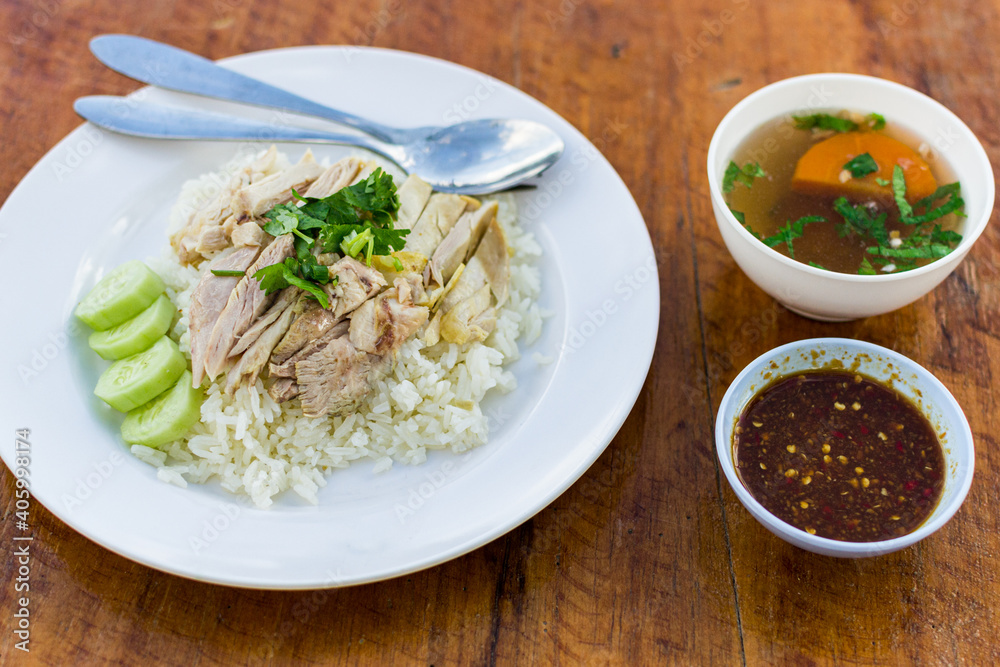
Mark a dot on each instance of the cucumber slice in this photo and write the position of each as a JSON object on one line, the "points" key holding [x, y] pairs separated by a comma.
{"points": [[132, 381], [134, 335], [167, 417], [120, 296]]}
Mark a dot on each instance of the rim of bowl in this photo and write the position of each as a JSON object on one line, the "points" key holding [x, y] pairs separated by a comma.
{"points": [[728, 411], [968, 239]]}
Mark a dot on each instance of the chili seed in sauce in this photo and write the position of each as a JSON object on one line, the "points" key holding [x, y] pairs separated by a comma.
{"points": [[863, 485]]}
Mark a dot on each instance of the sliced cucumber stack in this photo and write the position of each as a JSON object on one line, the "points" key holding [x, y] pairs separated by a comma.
{"points": [[132, 381], [120, 296], [167, 417], [150, 379], [134, 335]]}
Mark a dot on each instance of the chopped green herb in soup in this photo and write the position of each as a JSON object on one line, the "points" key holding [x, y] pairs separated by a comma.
{"points": [[845, 193]]}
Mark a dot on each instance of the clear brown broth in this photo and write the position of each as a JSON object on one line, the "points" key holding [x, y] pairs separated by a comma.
{"points": [[771, 202]]}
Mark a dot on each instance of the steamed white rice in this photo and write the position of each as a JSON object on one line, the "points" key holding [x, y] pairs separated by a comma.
{"points": [[259, 449]]}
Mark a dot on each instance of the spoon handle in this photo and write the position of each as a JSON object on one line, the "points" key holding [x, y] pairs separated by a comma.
{"points": [[157, 121], [168, 67]]}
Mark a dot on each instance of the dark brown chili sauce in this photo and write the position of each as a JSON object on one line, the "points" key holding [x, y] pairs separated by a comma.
{"points": [[840, 456]]}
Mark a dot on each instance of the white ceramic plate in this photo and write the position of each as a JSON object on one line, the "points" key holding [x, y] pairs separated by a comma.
{"points": [[99, 199]]}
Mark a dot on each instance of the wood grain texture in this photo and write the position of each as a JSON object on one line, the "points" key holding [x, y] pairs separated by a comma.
{"points": [[649, 558]]}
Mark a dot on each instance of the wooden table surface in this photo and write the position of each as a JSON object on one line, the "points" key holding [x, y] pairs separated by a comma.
{"points": [[649, 558]]}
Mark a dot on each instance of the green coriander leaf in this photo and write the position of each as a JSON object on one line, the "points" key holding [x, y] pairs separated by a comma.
{"points": [[363, 214], [316, 292], [859, 219], [790, 232], [929, 251], [824, 121], [273, 278], [866, 268], [876, 120], [279, 276], [735, 174], [226, 273], [862, 165], [899, 193], [740, 216], [303, 247], [817, 266], [281, 220], [954, 203], [939, 235], [882, 182]]}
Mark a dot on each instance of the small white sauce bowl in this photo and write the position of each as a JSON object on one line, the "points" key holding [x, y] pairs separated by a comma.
{"points": [[878, 363], [827, 295]]}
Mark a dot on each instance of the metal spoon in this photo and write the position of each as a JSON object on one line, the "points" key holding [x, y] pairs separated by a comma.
{"points": [[471, 157], [476, 157]]}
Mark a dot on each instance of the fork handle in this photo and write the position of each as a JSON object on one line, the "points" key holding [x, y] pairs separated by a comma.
{"points": [[169, 67]]}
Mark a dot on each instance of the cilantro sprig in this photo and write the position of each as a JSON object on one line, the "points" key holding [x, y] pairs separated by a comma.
{"points": [[746, 174], [924, 242], [366, 210], [825, 121], [303, 273], [790, 232], [858, 219], [861, 165]]}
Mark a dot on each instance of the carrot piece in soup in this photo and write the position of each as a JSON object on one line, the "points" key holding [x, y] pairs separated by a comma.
{"points": [[821, 170]]}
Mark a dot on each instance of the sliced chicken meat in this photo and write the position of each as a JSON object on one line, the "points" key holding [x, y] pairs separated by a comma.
{"points": [[336, 177], [208, 225], [436, 220], [381, 325], [249, 233], [286, 368], [337, 371], [245, 304], [413, 196], [286, 299], [283, 389], [469, 308], [208, 300], [338, 377], [256, 199], [254, 359], [355, 283], [460, 244], [309, 326]]}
